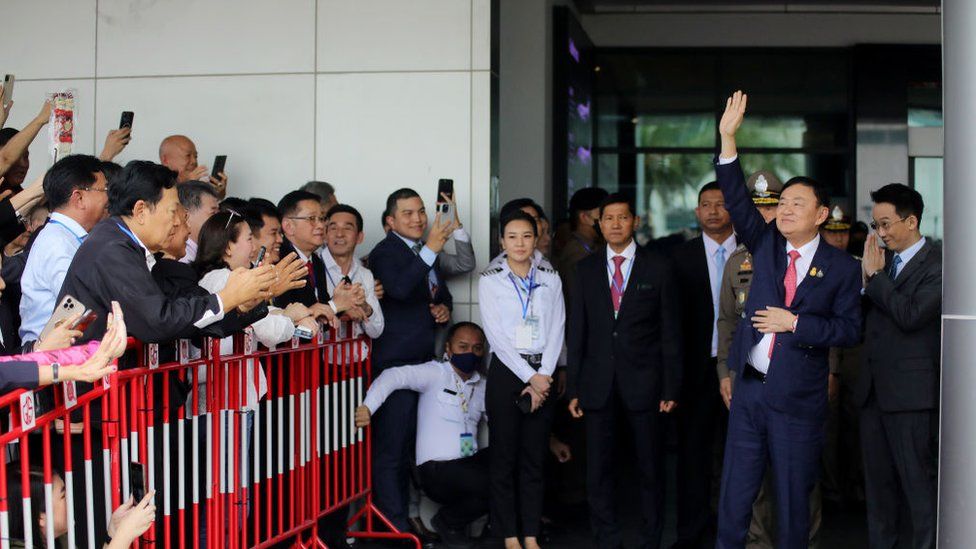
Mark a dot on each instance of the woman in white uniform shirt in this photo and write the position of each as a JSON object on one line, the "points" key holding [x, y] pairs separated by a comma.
{"points": [[523, 315]]}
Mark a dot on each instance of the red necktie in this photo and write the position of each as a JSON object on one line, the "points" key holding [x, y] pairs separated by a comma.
{"points": [[617, 287], [789, 284], [311, 272]]}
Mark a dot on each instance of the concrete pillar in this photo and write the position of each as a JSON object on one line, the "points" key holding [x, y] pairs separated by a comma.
{"points": [[957, 436]]}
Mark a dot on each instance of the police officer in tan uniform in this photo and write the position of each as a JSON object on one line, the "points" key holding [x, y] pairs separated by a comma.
{"points": [[765, 188], [843, 470]]}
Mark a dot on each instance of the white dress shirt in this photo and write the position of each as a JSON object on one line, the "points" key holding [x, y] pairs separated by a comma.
{"points": [[626, 267], [441, 419], [44, 272], [715, 277], [759, 355], [373, 326], [191, 252], [501, 297]]}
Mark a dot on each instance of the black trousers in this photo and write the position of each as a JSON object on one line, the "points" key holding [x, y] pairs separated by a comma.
{"points": [[649, 445], [517, 445], [460, 486], [900, 453], [698, 412]]}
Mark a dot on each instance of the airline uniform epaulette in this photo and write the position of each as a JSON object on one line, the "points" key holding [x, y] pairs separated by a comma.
{"points": [[492, 271]]}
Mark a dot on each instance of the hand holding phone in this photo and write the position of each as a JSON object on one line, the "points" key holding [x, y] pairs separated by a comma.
{"points": [[218, 166], [445, 199], [126, 121], [137, 484], [260, 257], [8, 90]]}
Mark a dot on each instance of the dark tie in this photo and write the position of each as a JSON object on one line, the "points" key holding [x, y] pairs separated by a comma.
{"points": [[893, 270], [417, 247]]}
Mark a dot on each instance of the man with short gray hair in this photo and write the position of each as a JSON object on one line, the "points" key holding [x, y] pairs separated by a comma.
{"points": [[201, 201], [325, 191]]}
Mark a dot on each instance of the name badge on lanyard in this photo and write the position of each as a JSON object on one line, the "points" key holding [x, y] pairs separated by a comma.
{"points": [[527, 330], [469, 446]]}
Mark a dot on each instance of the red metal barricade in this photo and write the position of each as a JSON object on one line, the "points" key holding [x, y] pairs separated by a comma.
{"points": [[245, 448]]}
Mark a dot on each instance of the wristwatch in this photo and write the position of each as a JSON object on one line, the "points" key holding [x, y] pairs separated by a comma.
{"points": [[872, 275], [55, 376]]}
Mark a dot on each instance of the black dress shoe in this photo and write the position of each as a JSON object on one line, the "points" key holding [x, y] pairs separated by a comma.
{"points": [[451, 538]]}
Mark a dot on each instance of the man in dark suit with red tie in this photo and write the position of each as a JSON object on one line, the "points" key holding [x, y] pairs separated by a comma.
{"points": [[805, 298], [303, 223], [624, 349]]}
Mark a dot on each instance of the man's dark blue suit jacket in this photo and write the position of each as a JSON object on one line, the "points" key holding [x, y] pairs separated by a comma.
{"points": [[828, 306], [408, 337]]}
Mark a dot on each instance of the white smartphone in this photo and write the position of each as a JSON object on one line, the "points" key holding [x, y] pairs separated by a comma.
{"points": [[68, 307], [8, 89]]}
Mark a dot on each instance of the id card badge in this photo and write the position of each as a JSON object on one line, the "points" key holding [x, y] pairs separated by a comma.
{"points": [[523, 336], [533, 322], [468, 445]]}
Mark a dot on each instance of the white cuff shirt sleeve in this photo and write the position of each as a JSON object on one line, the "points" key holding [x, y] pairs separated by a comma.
{"points": [[428, 256], [461, 235], [723, 161]]}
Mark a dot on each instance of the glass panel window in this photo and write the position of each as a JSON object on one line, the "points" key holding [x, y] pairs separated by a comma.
{"points": [[675, 130], [927, 180]]}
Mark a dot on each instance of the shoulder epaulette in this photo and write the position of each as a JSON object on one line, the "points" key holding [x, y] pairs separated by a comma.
{"points": [[489, 272], [545, 269]]}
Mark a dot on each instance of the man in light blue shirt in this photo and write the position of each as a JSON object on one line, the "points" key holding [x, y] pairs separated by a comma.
{"points": [[76, 191]]}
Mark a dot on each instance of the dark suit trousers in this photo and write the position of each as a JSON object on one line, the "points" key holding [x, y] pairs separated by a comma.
{"points": [[698, 412], [460, 486], [649, 444], [517, 445], [758, 435], [899, 451], [394, 431]]}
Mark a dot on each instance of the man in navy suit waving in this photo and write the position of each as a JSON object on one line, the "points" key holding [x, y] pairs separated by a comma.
{"points": [[805, 298]]}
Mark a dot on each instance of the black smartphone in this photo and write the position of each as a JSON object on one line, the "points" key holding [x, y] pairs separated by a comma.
{"points": [[524, 403], [126, 121], [445, 186], [137, 483], [261, 251], [218, 165]]}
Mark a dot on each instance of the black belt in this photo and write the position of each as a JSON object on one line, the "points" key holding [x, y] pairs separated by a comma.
{"points": [[534, 360], [750, 372]]}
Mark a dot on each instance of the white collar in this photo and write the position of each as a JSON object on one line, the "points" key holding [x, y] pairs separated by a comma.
{"points": [[332, 265], [446, 365], [629, 252], [69, 224], [150, 259], [408, 241], [301, 255], [712, 246], [806, 250], [908, 253]]}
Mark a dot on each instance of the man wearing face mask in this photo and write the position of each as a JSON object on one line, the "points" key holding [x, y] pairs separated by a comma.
{"points": [[453, 470]]}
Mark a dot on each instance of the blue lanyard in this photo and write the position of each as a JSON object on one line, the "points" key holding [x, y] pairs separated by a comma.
{"points": [[129, 234], [67, 228], [620, 289], [531, 286]]}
